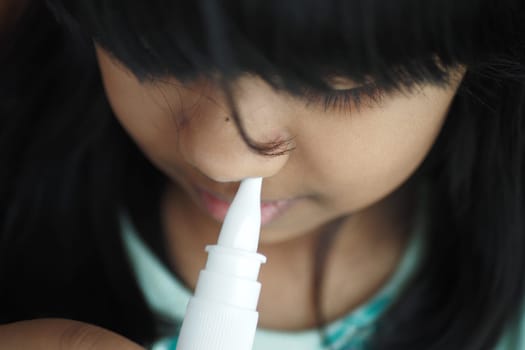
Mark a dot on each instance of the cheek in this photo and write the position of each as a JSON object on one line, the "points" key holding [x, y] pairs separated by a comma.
{"points": [[138, 110], [146, 123], [152, 116], [371, 153]]}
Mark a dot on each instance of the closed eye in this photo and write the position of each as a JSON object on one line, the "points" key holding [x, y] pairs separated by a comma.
{"points": [[344, 100]]}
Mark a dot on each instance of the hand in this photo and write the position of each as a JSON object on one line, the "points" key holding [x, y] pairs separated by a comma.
{"points": [[57, 334]]}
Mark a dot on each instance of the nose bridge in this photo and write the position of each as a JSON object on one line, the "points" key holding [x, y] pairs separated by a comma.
{"points": [[212, 143]]}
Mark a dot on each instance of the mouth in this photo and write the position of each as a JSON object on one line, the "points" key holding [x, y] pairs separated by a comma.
{"points": [[217, 207]]}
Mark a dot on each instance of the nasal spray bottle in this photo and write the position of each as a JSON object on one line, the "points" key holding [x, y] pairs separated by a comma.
{"points": [[222, 314]]}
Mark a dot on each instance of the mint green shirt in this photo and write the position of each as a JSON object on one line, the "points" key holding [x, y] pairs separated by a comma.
{"points": [[168, 297]]}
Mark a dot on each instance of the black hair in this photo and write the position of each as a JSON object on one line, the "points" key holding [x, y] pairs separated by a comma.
{"points": [[67, 168]]}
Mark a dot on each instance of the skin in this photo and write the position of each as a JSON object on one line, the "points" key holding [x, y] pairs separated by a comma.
{"points": [[47, 334], [351, 162]]}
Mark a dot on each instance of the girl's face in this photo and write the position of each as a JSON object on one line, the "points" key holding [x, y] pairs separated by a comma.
{"points": [[343, 160]]}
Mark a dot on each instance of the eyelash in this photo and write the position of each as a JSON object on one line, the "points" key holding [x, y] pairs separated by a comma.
{"points": [[345, 100]]}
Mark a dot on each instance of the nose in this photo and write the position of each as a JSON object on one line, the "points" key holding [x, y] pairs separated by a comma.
{"points": [[220, 153], [210, 140]]}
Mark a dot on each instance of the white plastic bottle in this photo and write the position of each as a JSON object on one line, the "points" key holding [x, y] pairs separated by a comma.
{"points": [[222, 313]]}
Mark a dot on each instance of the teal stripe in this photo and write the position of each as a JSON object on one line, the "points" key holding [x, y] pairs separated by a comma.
{"points": [[352, 327], [173, 344]]}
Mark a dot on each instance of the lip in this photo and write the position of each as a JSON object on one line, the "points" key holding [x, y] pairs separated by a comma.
{"points": [[217, 207]]}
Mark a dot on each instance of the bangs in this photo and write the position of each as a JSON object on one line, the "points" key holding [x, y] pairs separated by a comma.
{"points": [[293, 43]]}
